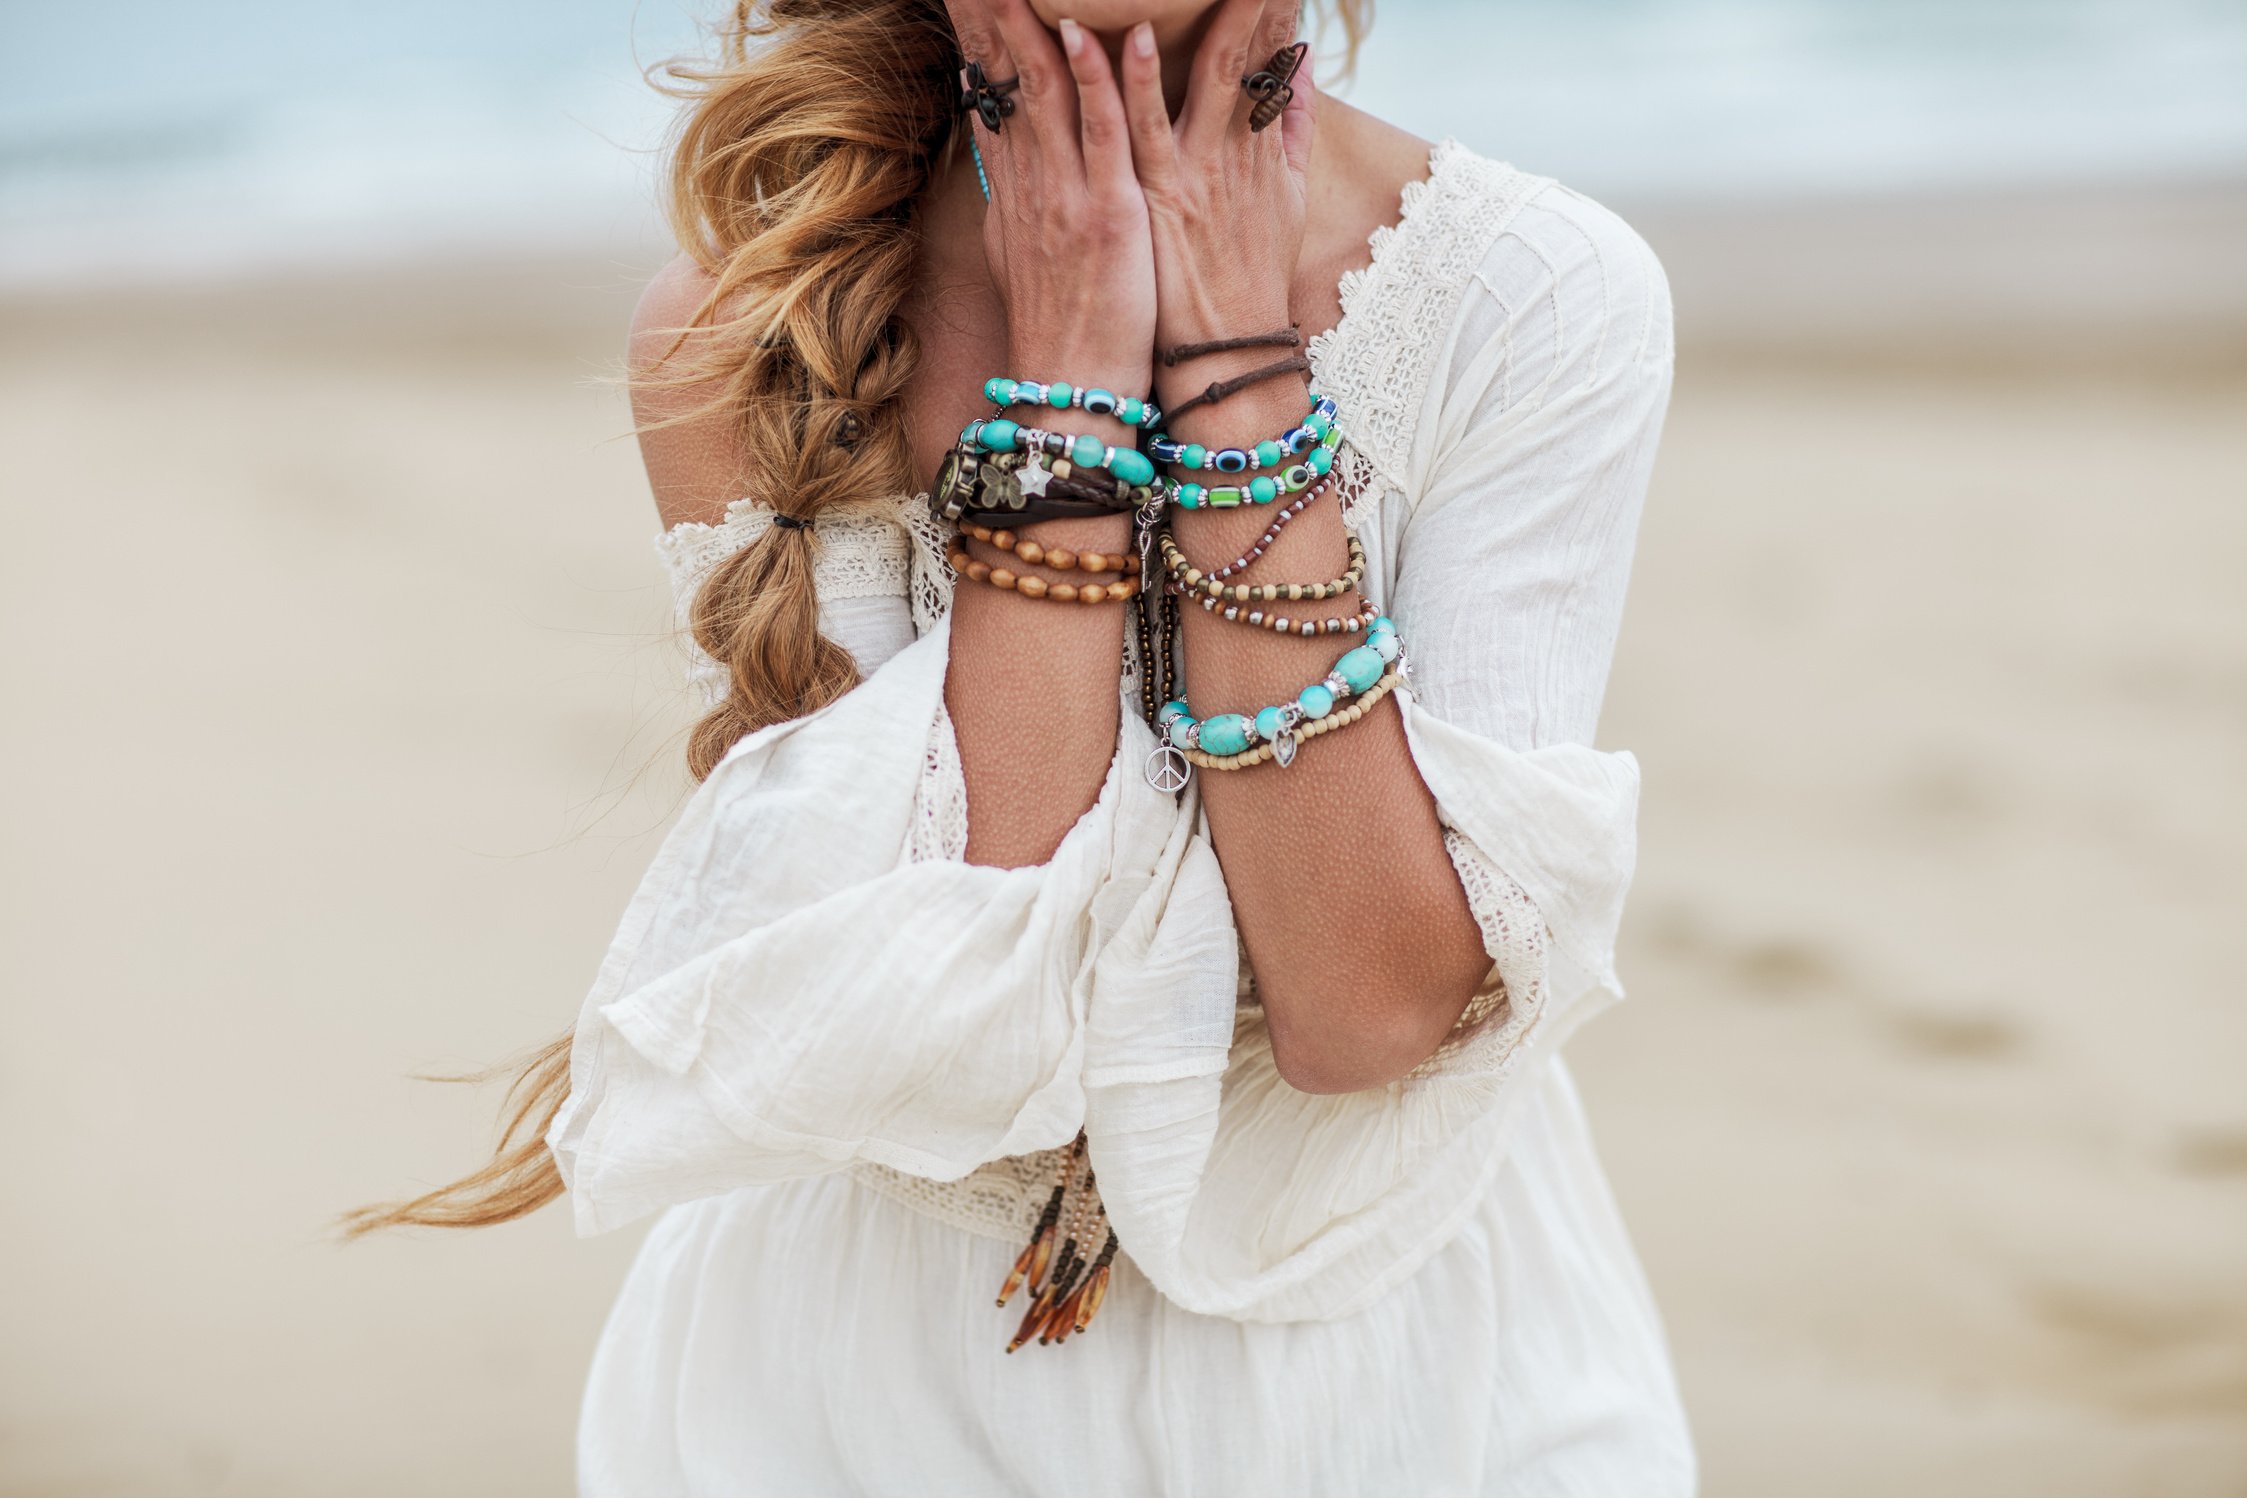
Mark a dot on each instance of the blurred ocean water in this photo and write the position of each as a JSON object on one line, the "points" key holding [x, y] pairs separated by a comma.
{"points": [[152, 138]]}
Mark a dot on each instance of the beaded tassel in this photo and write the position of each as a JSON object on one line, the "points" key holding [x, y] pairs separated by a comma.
{"points": [[1055, 1267]]}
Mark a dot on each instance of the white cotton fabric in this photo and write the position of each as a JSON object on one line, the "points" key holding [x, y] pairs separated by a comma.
{"points": [[838, 1054]]}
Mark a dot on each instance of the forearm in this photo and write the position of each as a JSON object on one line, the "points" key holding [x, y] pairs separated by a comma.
{"points": [[1364, 948], [1034, 685]]}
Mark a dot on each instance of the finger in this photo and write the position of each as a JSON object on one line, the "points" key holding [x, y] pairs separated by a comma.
{"points": [[1299, 127], [1047, 92], [1154, 150], [980, 42], [1102, 128], [1275, 28], [1213, 91]]}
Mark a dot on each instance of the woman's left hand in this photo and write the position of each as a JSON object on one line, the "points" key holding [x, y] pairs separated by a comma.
{"points": [[1227, 204]]}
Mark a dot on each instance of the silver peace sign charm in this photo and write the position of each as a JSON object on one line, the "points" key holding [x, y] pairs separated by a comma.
{"points": [[1168, 770]]}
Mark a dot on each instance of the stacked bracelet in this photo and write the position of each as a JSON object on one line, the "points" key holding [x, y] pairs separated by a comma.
{"points": [[1271, 534], [1281, 624], [1059, 558], [1061, 395], [1019, 488], [1030, 585], [1293, 442], [999, 435], [1235, 741], [1264, 488], [1193, 580]]}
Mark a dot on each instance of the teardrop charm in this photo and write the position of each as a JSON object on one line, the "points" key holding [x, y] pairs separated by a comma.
{"points": [[1283, 750]]}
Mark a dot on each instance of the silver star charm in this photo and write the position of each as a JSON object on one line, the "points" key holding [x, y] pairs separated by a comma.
{"points": [[1033, 478]]}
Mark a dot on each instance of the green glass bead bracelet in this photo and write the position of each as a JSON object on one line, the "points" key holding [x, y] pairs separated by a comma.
{"points": [[1060, 395], [996, 434], [1265, 487], [1270, 453]]}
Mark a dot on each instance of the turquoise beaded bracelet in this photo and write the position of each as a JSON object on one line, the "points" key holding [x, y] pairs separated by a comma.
{"points": [[996, 434], [1227, 735], [1265, 487], [1061, 395], [1270, 453]]}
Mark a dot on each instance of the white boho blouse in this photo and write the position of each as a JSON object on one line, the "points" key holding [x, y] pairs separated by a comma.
{"points": [[822, 1038]]}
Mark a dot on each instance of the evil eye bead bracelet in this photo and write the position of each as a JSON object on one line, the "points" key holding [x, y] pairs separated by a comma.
{"points": [[1270, 453], [996, 434], [1262, 489], [1236, 741], [1060, 395]]}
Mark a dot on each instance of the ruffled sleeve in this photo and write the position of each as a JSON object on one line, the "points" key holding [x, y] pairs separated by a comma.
{"points": [[792, 991], [1523, 489]]}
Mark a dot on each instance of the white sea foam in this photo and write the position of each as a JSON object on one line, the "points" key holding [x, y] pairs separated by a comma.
{"points": [[151, 138]]}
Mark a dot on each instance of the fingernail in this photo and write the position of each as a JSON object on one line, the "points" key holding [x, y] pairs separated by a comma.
{"points": [[1072, 37], [1143, 39]]}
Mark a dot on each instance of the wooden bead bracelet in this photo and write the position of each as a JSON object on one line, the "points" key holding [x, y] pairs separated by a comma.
{"points": [[1059, 558], [1030, 585], [1281, 624], [1192, 579]]}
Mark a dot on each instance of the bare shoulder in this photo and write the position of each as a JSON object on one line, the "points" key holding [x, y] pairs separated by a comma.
{"points": [[693, 456]]}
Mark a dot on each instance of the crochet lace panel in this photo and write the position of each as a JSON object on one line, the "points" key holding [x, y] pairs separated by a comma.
{"points": [[1377, 361]]}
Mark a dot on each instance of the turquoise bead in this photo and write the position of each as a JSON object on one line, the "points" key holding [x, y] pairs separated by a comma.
{"points": [[998, 435], [1321, 460], [1180, 727], [1321, 423], [997, 391], [1131, 410], [1361, 668], [1384, 644], [1171, 712], [1132, 466], [1086, 452], [1382, 622], [1270, 723], [1262, 490], [1194, 456], [1190, 496], [1057, 395], [1316, 700], [1227, 733], [1100, 402], [1267, 453]]}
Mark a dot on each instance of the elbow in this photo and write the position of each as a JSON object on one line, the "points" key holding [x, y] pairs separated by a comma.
{"points": [[1357, 1055]]}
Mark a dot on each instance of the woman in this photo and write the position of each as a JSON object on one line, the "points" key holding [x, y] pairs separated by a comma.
{"points": [[1211, 1027]]}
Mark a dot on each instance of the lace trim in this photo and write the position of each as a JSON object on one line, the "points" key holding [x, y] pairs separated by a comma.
{"points": [[1500, 1014], [885, 548], [1376, 362]]}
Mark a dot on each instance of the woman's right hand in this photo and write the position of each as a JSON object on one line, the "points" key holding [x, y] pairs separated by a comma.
{"points": [[1066, 233]]}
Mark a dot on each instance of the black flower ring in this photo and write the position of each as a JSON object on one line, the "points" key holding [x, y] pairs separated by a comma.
{"points": [[988, 98]]}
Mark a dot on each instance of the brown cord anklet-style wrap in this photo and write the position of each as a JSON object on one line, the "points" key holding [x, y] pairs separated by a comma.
{"points": [[1221, 389], [1287, 337]]}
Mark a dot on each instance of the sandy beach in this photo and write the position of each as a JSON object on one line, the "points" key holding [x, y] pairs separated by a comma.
{"points": [[342, 717]]}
